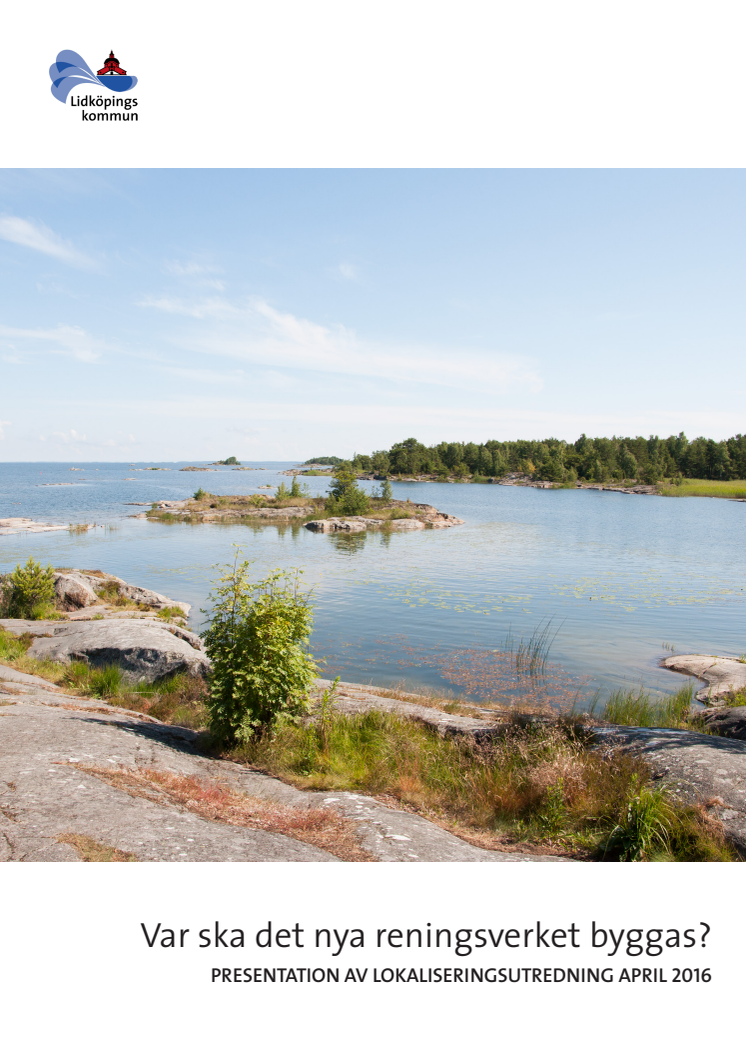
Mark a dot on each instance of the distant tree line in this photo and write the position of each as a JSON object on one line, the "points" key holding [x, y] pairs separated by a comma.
{"points": [[598, 459]]}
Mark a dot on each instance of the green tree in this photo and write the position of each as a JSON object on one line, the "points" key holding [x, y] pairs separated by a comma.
{"points": [[298, 491], [346, 497], [31, 590], [257, 642]]}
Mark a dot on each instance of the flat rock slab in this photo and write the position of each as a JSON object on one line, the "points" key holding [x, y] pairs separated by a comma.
{"points": [[352, 698], [42, 797], [22, 525], [9, 674], [147, 649], [723, 675], [697, 767]]}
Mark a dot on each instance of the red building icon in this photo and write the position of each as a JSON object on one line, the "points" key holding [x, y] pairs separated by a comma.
{"points": [[111, 66]]}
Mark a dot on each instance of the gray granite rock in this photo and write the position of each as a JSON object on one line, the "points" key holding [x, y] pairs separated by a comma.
{"points": [[73, 591], [725, 722], [42, 795], [144, 649], [363, 524], [723, 675]]}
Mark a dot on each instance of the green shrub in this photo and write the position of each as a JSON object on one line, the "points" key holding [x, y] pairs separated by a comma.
{"points": [[28, 592], [256, 641], [200, 494], [346, 497]]}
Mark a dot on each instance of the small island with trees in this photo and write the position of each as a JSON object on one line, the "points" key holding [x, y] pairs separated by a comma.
{"points": [[347, 507]]}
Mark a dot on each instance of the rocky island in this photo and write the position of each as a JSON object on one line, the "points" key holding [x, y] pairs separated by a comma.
{"points": [[394, 515]]}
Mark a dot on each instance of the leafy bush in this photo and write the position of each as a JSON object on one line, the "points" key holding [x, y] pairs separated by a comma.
{"points": [[200, 494], [256, 641], [28, 592]]}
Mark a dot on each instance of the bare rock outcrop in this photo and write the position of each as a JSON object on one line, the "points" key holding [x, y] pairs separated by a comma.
{"points": [[22, 525], [723, 676], [725, 722], [73, 591], [44, 793], [421, 515], [76, 589], [362, 524], [145, 649]]}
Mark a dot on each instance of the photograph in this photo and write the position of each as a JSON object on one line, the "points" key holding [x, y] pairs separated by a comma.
{"points": [[447, 564]]}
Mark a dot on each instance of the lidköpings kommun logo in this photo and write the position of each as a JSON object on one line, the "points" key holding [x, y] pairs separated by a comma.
{"points": [[71, 69]]}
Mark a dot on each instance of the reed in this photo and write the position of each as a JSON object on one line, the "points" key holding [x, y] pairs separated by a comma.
{"points": [[637, 708]]}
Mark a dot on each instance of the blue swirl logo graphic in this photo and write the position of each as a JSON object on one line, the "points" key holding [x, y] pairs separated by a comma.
{"points": [[71, 69]]}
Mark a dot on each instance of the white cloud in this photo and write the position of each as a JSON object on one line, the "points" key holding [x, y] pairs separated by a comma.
{"points": [[72, 437], [39, 237], [69, 341], [2, 430], [175, 267], [255, 332], [208, 308], [347, 271], [198, 273]]}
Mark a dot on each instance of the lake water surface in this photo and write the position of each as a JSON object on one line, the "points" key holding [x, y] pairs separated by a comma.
{"points": [[621, 577]]}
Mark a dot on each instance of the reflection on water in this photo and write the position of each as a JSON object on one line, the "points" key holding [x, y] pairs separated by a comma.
{"points": [[623, 573], [348, 544]]}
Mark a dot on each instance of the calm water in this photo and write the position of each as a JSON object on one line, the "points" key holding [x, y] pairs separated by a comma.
{"points": [[619, 575]]}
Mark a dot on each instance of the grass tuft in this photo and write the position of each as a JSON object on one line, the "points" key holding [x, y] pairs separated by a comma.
{"points": [[636, 708], [538, 783]]}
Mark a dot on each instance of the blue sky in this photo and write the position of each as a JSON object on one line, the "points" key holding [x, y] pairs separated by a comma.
{"points": [[192, 314]]}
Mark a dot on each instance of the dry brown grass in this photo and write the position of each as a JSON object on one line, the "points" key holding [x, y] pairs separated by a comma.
{"points": [[322, 828], [91, 850]]}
